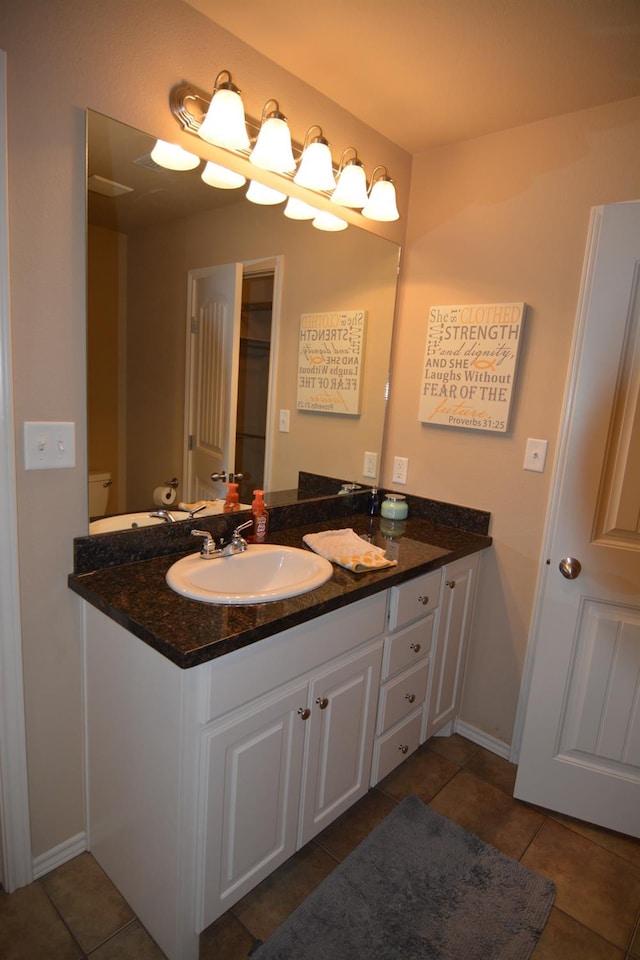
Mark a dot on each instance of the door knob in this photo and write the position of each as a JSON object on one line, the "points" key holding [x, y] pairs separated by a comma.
{"points": [[570, 567]]}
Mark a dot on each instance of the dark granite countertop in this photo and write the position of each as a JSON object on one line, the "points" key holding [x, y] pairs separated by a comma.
{"points": [[187, 632]]}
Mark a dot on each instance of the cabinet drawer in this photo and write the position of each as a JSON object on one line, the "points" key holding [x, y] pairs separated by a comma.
{"points": [[395, 746], [402, 695], [413, 599], [405, 648]]}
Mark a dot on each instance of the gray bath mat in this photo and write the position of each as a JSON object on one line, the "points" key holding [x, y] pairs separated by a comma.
{"points": [[418, 888]]}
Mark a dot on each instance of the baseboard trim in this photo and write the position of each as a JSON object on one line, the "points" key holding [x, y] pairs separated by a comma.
{"points": [[483, 739], [55, 857]]}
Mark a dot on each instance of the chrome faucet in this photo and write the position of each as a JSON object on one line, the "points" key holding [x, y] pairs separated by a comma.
{"points": [[163, 515], [237, 544]]}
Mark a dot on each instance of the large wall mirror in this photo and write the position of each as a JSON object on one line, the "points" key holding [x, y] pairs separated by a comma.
{"points": [[158, 242]]}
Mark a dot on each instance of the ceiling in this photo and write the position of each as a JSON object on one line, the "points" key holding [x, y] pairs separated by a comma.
{"points": [[429, 72]]}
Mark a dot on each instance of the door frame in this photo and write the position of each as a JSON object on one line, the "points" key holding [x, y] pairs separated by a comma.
{"points": [[255, 268], [16, 863], [559, 467]]}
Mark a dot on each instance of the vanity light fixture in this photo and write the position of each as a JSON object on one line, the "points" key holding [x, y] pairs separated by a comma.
{"points": [[173, 157], [261, 193], [224, 124], [316, 166], [272, 150], [351, 190], [299, 209], [381, 204], [214, 175], [329, 222]]}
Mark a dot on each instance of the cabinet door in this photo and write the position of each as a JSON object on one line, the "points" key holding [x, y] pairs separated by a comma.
{"points": [[449, 656], [250, 785], [340, 733]]}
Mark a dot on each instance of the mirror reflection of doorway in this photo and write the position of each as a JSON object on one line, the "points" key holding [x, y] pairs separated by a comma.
{"points": [[230, 359], [256, 315]]}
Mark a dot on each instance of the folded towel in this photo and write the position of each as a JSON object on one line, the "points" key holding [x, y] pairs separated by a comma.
{"points": [[347, 549], [198, 505]]}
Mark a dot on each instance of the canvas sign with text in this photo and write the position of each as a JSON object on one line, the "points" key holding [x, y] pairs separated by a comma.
{"points": [[330, 358], [470, 363]]}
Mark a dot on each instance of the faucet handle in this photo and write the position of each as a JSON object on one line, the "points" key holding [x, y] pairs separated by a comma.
{"points": [[209, 546], [237, 540]]}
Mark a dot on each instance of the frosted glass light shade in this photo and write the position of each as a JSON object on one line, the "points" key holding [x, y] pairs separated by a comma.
{"points": [[224, 124], [316, 167], [351, 190], [272, 150], [381, 204], [329, 221], [299, 210], [173, 157], [215, 175], [267, 196]]}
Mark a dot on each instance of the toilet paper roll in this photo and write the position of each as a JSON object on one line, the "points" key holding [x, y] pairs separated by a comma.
{"points": [[164, 496]]}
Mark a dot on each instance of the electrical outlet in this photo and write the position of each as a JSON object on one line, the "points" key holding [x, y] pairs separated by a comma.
{"points": [[284, 421], [400, 470], [535, 455], [370, 468], [49, 445]]}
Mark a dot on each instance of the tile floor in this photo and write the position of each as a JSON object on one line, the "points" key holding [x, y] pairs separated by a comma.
{"points": [[75, 912]]}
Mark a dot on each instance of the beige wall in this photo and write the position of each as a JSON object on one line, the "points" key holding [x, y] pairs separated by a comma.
{"points": [[504, 218], [105, 278], [120, 58]]}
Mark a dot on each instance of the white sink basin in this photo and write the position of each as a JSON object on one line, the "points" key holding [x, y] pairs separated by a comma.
{"points": [[132, 521], [263, 572]]}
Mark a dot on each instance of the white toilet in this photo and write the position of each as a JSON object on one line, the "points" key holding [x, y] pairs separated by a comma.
{"points": [[99, 484]]}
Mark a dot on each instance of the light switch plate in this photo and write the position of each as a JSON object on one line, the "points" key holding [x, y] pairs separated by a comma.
{"points": [[49, 446], [283, 421], [535, 455]]}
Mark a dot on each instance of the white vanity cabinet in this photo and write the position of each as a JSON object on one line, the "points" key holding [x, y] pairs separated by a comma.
{"points": [[201, 781], [452, 640], [277, 771], [405, 671]]}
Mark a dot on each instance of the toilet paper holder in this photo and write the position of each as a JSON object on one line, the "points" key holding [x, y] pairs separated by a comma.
{"points": [[172, 483]]}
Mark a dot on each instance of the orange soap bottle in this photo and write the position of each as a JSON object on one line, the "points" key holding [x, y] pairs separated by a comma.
{"points": [[260, 517], [232, 503]]}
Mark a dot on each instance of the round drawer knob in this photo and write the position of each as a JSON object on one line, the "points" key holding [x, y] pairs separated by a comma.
{"points": [[410, 697], [304, 713], [423, 600], [450, 583], [403, 748], [322, 702], [415, 647]]}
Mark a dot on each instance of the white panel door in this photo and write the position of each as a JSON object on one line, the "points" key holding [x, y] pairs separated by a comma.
{"points": [[339, 739], [580, 751], [213, 348], [252, 767]]}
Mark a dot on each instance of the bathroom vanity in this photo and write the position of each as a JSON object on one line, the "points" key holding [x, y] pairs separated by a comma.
{"points": [[220, 740]]}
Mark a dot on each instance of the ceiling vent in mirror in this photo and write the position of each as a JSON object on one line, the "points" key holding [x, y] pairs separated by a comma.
{"points": [[106, 188]]}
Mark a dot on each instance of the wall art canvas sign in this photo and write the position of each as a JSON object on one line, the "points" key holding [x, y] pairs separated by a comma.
{"points": [[470, 364], [330, 358]]}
